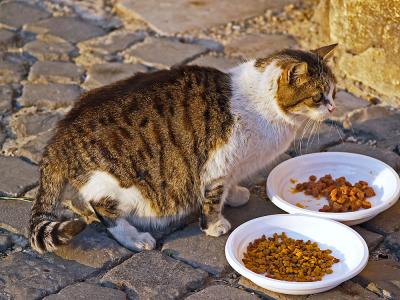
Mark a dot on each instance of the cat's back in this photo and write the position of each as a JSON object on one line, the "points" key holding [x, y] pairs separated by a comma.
{"points": [[134, 94]]}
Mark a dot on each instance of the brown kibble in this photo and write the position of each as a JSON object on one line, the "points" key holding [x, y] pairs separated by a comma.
{"points": [[312, 178], [366, 204], [369, 192], [283, 258], [341, 194]]}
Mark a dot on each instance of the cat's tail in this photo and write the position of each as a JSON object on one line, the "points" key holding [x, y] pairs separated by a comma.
{"points": [[46, 233]]}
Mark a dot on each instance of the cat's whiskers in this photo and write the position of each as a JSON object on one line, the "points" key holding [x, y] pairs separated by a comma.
{"points": [[311, 134], [307, 125]]}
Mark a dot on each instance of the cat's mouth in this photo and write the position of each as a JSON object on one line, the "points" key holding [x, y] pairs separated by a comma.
{"points": [[330, 105]]}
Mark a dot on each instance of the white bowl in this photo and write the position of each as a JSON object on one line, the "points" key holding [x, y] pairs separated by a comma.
{"points": [[346, 245], [354, 167]]}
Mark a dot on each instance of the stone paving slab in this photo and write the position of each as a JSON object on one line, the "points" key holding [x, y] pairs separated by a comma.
{"points": [[371, 238], [49, 48], [70, 29], [106, 73], [389, 157], [267, 293], [51, 95], [153, 275], [392, 242], [24, 277], [6, 97], [14, 216], [163, 53], [345, 104], [380, 124], [116, 41], [222, 292], [3, 135], [57, 72], [370, 113], [94, 249], [184, 15], [11, 72], [31, 122], [5, 242], [82, 290], [192, 246], [17, 176], [221, 63], [258, 45], [386, 222], [18, 13], [260, 177], [346, 291], [8, 39], [382, 277], [33, 149]]}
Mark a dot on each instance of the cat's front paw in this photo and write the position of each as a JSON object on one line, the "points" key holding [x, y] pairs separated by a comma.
{"points": [[218, 228]]}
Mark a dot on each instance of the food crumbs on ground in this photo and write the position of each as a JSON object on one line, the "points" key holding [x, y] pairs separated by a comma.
{"points": [[281, 257], [341, 194], [299, 205], [293, 181]]}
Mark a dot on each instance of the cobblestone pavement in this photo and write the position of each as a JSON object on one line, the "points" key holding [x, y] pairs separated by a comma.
{"points": [[53, 50]]}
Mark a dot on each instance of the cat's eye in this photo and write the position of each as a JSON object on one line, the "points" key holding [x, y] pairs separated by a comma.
{"points": [[318, 98]]}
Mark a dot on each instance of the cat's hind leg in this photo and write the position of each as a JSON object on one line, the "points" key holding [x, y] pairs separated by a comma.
{"points": [[128, 236], [238, 196], [212, 222], [125, 233]]}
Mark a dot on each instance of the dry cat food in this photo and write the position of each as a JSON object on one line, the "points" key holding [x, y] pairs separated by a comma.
{"points": [[341, 194], [284, 258]]}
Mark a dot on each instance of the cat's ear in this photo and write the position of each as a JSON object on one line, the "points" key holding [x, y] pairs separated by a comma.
{"points": [[296, 70], [325, 51]]}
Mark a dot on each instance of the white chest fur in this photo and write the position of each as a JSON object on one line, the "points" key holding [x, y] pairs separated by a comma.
{"points": [[261, 131]]}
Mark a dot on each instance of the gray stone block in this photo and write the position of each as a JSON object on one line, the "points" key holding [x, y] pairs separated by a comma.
{"points": [[103, 74], [386, 222], [17, 176], [87, 291], [258, 45], [191, 15], [152, 275], [389, 157], [222, 292], [16, 13], [94, 249], [50, 49], [381, 277], [57, 72], [163, 52], [219, 62], [70, 29], [371, 238], [52, 95], [25, 277]]}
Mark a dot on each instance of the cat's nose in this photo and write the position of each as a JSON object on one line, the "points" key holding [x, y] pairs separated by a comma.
{"points": [[331, 107]]}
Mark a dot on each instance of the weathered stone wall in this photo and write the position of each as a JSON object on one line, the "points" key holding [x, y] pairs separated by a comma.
{"points": [[369, 33]]}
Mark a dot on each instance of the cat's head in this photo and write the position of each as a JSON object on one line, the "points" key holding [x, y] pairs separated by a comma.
{"points": [[306, 85]]}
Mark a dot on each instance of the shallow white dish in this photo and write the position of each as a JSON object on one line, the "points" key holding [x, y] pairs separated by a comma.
{"points": [[346, 245], [354, 167]]}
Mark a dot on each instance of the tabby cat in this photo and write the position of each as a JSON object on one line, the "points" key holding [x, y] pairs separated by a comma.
{"points": [[158, 146]]}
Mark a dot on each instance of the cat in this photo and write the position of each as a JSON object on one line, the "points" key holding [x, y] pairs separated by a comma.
{"points": [[161, 145]]}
